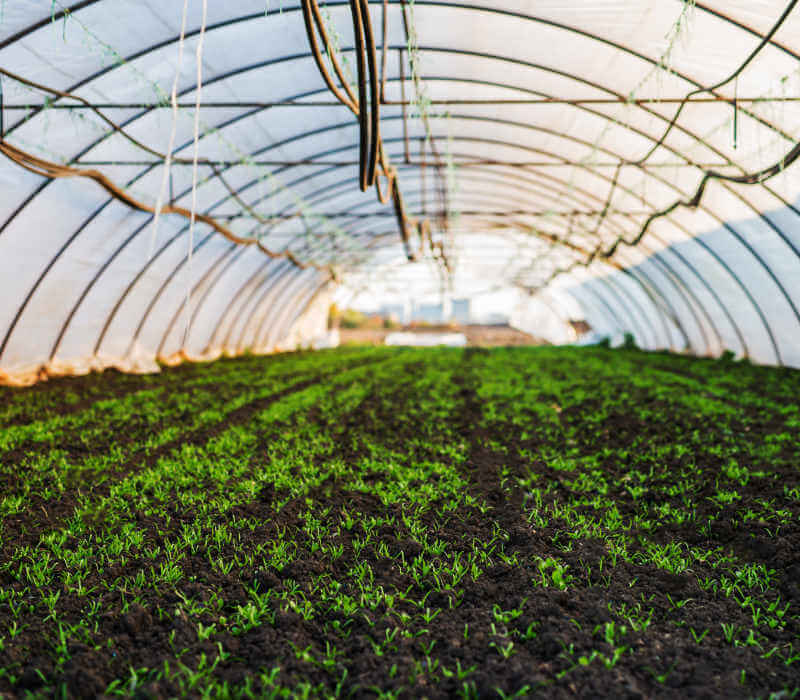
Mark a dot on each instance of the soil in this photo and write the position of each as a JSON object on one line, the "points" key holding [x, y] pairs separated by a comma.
{"points": [[43, 514], [666, 663]]}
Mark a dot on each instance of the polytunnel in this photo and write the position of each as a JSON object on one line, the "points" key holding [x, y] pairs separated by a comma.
{"points": [[400, 349], [186, 181]]}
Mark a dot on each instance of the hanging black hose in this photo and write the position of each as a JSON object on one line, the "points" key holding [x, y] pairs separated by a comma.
{"points": [[370, 90]]}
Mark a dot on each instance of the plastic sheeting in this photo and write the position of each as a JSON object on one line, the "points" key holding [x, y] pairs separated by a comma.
{"points": [[538, 118]]}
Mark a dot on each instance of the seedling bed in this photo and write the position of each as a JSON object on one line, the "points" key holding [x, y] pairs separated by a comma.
{"points": [[380, 522]]}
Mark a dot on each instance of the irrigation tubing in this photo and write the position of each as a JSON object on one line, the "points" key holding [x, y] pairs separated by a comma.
{"points": [[371, 81], [51, 170], [757, 177]]}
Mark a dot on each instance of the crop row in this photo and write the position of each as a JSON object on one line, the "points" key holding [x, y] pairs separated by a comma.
{"points": [[406, 522]]}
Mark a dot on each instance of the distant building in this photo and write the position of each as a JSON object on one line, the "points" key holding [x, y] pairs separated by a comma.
{"points": [[428, 313], [461, 312]]}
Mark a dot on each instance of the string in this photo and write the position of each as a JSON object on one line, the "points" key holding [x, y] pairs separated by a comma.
{"points": [[171, 145], [198, 100]]}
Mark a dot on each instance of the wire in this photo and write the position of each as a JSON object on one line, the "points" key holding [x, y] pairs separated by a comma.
{"points": [[196, 138], [173, 129]]}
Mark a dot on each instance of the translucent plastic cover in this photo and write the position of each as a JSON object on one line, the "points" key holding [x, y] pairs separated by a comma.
{"points": [[637, 159]]}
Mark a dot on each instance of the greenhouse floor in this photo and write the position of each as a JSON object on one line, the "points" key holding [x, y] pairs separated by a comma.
{"points": [[389, 522]]}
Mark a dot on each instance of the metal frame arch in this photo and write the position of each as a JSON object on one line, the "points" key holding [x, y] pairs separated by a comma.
{"points": [[674, 274], [152, 301], [100, 271], [49, 19], [312, 174], [269, 274], [271, 305], [112, 314], [608, 312], [591, 35], [134, 281], [285, 310], [219, 267], [436, 3], [182, 286], [671, 324], [660, 312], [217, 271], [689, 343], [559, 135], [710, 289], [74, 9], [64, 247], [248, 308], [254, 315], [268, 299], [448, 50], [225, 259], [591, 310], [239, 317], [299, 307], [683, 288], [689, 237], [747, 293], [243, 116], [746, 28], [43, 274], [239, 300], [106, 264], [619, 298], [526, 185], [690, 301], [282, 308], [306, 305], [270, 283], [168, 280], [665, 315], [751, 298], [672, 316]]}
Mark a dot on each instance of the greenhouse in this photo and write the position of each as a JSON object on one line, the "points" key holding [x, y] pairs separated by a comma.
{"points": [[400, 348]]}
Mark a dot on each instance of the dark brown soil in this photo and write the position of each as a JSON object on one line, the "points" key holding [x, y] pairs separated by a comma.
{"points": [[668, 661]]}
